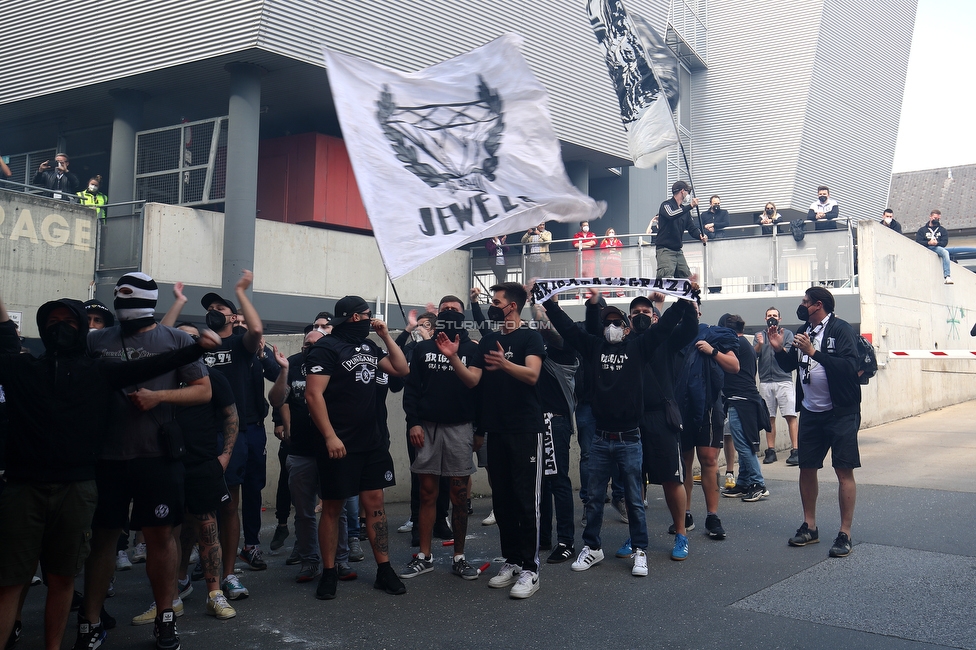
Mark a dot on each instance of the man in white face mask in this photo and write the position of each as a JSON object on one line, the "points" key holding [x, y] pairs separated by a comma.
{"points": [[888, 220], [617, 357]]}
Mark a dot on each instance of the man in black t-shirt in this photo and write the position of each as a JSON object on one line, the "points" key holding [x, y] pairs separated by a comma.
{"points": [[511, 416], [341, 393]]}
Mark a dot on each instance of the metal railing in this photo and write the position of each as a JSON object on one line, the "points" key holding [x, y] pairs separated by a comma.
{"points": [[742, 259]]}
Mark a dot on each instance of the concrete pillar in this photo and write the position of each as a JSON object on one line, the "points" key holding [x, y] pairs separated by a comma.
{"points": [[122, 163], [240, 202], [579, 175]]}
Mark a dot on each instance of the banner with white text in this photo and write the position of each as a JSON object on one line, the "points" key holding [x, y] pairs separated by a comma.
{"points": [[454, 153], [683, 288]]}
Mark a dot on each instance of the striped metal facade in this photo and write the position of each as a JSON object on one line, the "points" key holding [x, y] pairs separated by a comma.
{"points": [[800, 93]]}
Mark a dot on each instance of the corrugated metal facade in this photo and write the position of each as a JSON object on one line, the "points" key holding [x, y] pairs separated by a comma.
{"points": [[131, 38], [800, 93]]}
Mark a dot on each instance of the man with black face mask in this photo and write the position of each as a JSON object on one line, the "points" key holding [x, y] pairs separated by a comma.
{"points": [[618, 360], [934, 237], [440, 407], [823, 213], [828, 394], [60, 407], [341, 394]]}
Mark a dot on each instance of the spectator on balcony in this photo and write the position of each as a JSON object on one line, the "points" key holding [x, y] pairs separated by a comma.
{"points": [[538, 238], [93, 197], [584, 241], [497, 250], [770, 218], [888, 220], [5, 172], [58, 179], [716, 218], [824, 211], [611, 265]]}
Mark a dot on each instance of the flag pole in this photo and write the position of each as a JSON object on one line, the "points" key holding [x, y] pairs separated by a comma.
{"points": [[397, 296]]}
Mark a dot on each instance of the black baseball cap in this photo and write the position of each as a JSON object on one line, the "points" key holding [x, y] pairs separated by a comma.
{"points": [[211, 298], [641, 300], [99, 307], [346, 307], [613, 310]]}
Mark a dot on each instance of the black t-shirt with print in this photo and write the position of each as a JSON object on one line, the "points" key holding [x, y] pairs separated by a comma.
{"points": [[507, 404], [306, 440], [202, 422], [351, 394], [233, 359]]}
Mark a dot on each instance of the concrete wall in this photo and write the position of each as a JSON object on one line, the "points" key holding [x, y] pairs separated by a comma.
{"points": [[47, 251], [905, 305]]}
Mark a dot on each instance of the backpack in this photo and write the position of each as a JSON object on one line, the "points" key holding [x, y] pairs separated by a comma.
{"points": [[867, 366], [797, 227]]}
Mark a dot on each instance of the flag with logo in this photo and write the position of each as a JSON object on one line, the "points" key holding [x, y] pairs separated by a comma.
{"points": [[644, 107], [457, 152]]}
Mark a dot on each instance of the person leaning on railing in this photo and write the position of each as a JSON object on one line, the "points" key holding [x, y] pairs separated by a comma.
{"points": [[91, 196], [5, 172]]}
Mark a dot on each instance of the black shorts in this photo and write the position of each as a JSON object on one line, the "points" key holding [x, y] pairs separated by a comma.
{"points": [[662, 449], [204, 488], [709, 434], [354, 473], [154, 485], [819, 432]]}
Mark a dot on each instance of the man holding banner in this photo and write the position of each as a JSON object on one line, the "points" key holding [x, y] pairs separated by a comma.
{"points": [[674, 217]]}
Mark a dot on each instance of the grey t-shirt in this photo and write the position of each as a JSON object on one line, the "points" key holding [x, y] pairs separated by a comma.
{"points": [[135, 434], [769, 370]]}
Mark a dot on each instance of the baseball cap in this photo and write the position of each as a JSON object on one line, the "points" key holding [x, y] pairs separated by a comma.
{"points": [[641, 300], [607, 311], [346, 307], [211, 298]]}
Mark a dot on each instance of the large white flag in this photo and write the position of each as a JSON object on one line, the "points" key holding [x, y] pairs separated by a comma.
{"points": [[644, 108], [457, 152]]}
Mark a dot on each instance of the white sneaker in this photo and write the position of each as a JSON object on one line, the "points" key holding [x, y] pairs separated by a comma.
{"points": [[489, 520], [139, 554], [406, 527], [528, 584], [195, 554], [948, 280], [640, 563], [122, 562], [507, 575], [587, 558]]}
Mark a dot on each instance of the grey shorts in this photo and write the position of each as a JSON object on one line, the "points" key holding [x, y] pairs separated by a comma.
{"points": [[447, 450], [781, 395]]}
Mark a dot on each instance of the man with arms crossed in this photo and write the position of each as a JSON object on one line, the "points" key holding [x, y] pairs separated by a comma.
{"points": [[776, 388]]}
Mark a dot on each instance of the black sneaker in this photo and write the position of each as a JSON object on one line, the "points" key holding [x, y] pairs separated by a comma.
{"points": [[842, 546], [253, 557], [90, 636], [327, 584], [794, 458], [804, 536], [197, 573], [470, 509], [14, 635], [442, 530], [388, 581], [736, 492], [280, 535], [770, 456], [560, 554], [107, 620], [294, 558], [165, 631], [713, 526], [757, 492], [689, 524]]}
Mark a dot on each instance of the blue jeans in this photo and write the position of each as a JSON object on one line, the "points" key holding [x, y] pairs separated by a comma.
{"points": [[586, 431], [558, 488], [944, 254], [749, 472], [627, 457]]}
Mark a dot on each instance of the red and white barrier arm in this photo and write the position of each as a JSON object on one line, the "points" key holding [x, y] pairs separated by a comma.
{"points": [[932, 354]]}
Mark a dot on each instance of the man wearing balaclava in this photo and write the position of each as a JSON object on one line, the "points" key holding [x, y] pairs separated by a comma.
{"points": [[59, 406], [137, 464], [341, 392]]}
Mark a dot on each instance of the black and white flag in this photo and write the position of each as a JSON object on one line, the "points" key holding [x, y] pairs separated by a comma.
{"points": [[644, 108], [457, 152]]}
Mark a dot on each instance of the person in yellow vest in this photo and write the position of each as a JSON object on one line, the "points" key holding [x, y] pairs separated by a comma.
{"points": [[91, 196]]}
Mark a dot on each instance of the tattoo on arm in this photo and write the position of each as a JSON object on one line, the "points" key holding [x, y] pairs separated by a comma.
{"points": [[231, 426]]}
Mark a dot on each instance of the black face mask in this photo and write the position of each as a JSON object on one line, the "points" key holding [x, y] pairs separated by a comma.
{"points": [[716, 207], [803, 313], [216, 320], [61, 336], [450, 322], [823, 199], [496, 314], [353, 332], [640, 322], [769, 212]]}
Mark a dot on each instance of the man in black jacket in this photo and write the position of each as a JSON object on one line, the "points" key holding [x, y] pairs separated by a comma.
{"points": [[673, 219], [58, 179], [888, 220], [829, 399], [935, 238], [60, 406]]}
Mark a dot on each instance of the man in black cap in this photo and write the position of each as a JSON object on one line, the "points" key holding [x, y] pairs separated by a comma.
{"points": [[674, 218], [341, 395], [99, 316]]}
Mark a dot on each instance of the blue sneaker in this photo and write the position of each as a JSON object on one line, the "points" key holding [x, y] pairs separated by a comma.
{"points": [[680, 550], [625, 550]]}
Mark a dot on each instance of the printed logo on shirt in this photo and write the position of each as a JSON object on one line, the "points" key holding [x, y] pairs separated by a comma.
{"points": [[388, 476], [438, 362], [613, 361], [217, 358], [365, 374], [315, 369], [162, 511], [831, 343]]}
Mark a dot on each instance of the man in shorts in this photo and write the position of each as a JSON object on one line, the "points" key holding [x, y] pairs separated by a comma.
{"points": [[440, 408], [340, 391], [776, 388], [825, 354]]}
